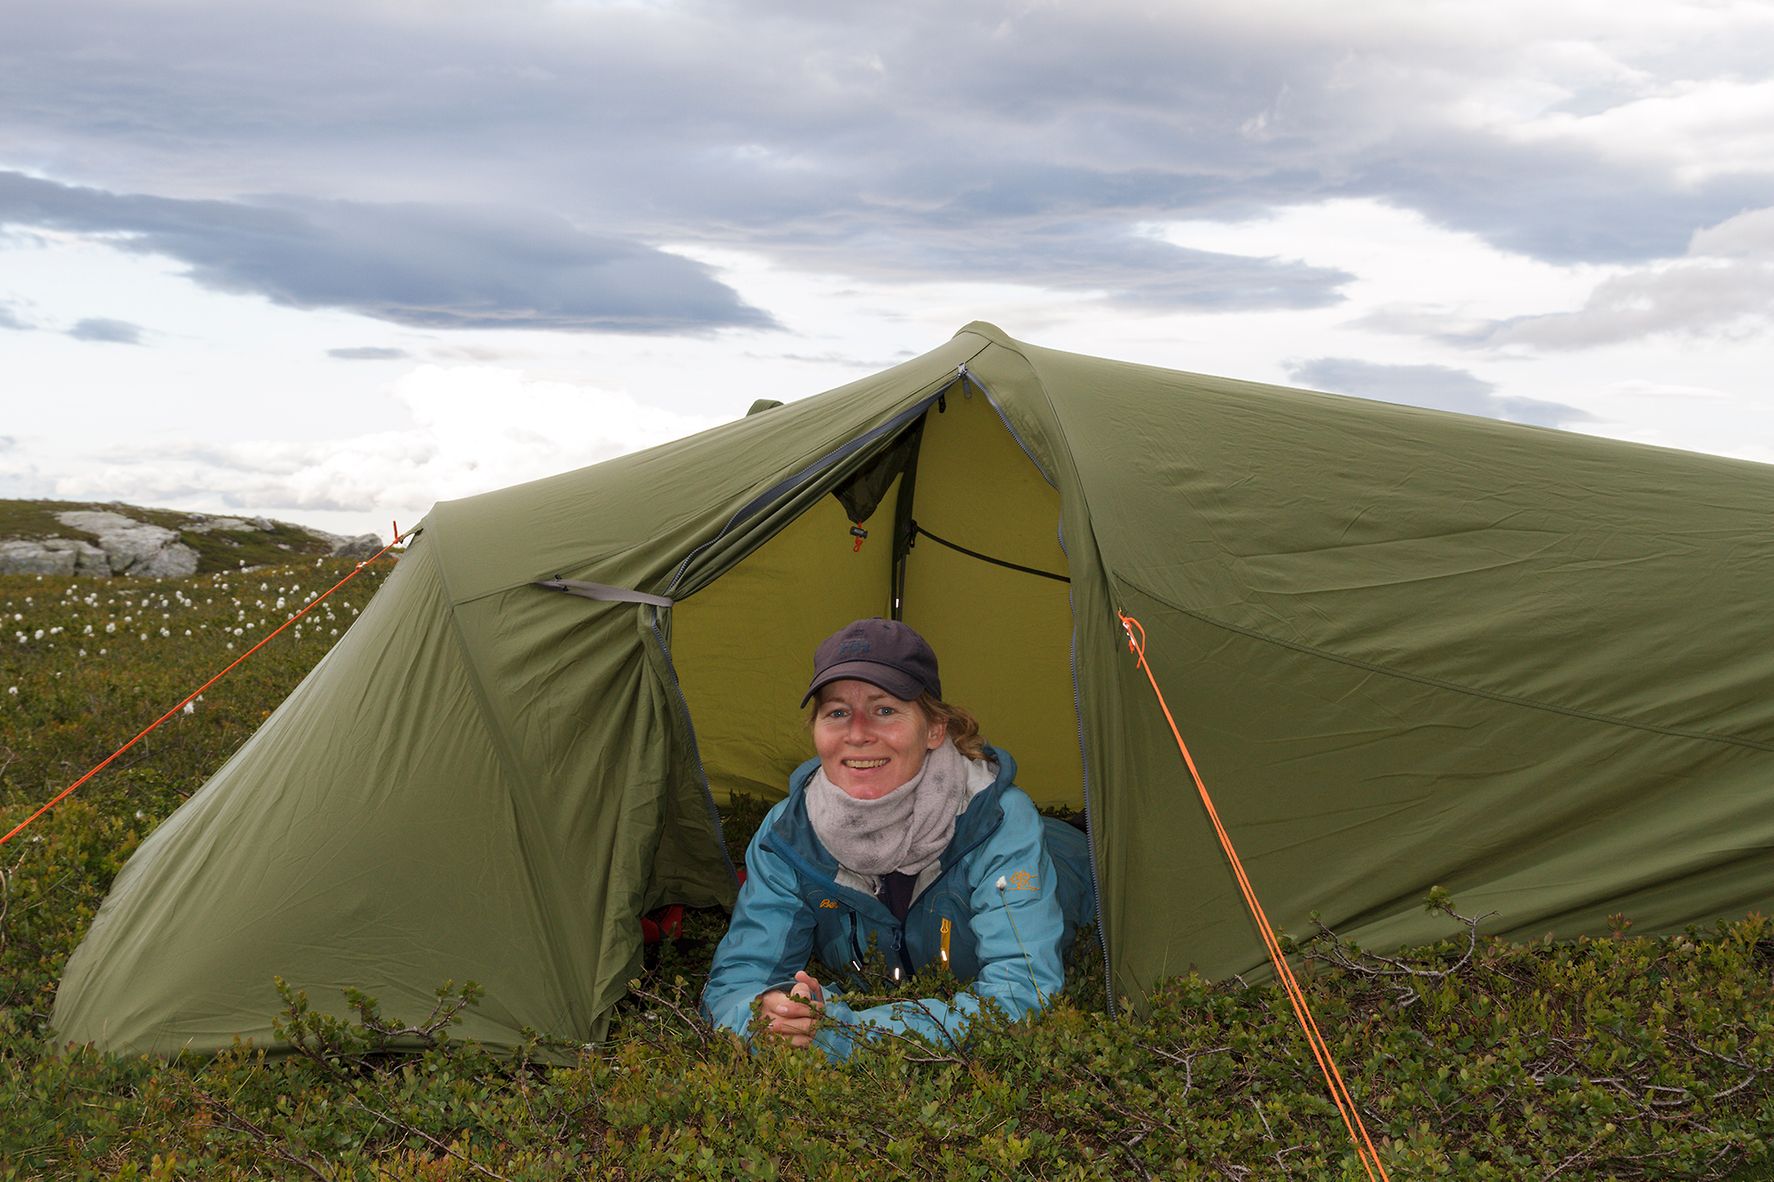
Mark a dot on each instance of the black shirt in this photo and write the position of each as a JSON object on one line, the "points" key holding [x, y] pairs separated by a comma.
{"points": [[896, 892]]}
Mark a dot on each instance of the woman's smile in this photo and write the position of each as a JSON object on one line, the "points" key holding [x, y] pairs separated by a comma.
{"points": [[870, 742]]}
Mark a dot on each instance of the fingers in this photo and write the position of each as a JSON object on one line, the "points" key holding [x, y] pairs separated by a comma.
{"points": [[777, 1004], [793, 1027], [788, 1018]]}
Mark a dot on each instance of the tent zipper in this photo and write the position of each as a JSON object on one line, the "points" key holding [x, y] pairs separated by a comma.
{"points": [[1102, 935], [677, 692], [756, 505], [787, 486], [1096, 882]]}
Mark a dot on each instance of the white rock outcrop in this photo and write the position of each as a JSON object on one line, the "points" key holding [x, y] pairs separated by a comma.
{"points": [[112, 542], [133, 547], [53, 556], [362, 546], [204, 525]]}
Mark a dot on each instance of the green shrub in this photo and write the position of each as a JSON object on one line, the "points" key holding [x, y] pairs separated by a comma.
{"points": [[1620, 1058]]}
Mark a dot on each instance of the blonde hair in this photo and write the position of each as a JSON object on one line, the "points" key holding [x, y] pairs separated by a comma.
{"points": [[962, 726]]}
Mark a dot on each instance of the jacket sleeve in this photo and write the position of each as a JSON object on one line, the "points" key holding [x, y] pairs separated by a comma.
{"points": [[769, 938], [1019, 930]]}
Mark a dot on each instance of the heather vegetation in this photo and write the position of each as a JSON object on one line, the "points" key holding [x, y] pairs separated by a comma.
{"points": [[1617, 1058]]}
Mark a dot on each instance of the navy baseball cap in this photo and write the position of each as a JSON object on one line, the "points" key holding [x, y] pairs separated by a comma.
{"points": [[884, 653]]}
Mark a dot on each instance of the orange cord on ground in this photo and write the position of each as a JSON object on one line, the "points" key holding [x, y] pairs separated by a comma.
{"points": [[66, 792], [1364, 1146]]}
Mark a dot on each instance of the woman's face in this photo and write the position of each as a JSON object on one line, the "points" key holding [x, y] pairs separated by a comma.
{"points": [[870, 742]]}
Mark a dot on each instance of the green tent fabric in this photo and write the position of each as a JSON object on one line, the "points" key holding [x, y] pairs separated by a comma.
{"points": [[1407, 648]]}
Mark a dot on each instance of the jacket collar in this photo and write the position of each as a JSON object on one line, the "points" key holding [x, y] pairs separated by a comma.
{"points": [[981, 818]]}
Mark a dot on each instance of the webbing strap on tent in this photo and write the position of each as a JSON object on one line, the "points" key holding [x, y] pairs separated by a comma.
{"points": [[1364, 1145], [602, 591]]}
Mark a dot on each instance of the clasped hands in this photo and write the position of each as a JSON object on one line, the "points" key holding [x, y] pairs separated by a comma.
{"points": [[793, 1015]]}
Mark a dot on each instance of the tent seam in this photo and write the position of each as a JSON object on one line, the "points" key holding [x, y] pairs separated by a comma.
{"points": [[1454, 687], [507, 758], [1063, 451]]}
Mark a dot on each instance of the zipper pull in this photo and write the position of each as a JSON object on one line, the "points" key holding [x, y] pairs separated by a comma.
{"points": [[947, 929]]}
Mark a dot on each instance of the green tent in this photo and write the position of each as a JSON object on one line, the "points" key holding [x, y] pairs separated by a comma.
{"points": [[1406, 648]]}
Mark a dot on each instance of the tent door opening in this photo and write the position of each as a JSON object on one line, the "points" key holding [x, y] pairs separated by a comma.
{"points": [[742, 646]]}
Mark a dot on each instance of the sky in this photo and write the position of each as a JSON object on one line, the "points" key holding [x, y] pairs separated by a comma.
{"points": [[332, 262]]}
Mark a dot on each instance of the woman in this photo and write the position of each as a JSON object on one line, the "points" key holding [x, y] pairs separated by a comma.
{"points": [[905, 835]]}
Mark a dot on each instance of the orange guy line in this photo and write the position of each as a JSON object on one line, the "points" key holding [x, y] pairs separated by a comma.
{"points": [[107, 761], [1333, 1078]]}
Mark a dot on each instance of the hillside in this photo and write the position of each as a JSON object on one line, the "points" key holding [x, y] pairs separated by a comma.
{"points": [[101, 540], [1616, 1058]]}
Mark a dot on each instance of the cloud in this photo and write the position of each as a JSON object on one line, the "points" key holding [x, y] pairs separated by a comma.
{"points": [[1696, 129], [825, 140], [841, 359], [367, 353], [115, 332], [427, 265], [1721, 287], [1433, 387], [11, 319], [1122, 264], [453, 449]]}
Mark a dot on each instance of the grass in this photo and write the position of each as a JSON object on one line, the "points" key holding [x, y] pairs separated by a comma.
{"points": [[1622, 1058]]}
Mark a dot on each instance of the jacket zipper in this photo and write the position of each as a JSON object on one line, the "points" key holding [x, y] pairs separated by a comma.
{"points": [[901, 951]]}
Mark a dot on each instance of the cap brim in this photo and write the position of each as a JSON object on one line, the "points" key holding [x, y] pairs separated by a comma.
{"points": [[900, 685]]}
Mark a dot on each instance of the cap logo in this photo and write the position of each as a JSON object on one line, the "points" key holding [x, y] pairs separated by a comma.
{"points": [[855, 646]]}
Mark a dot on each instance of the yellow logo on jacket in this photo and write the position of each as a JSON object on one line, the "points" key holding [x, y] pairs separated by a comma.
{"points": [[1022, 880], [832, 904]]}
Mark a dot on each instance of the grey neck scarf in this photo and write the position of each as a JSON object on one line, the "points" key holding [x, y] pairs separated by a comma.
{"points": [[905, 830]]}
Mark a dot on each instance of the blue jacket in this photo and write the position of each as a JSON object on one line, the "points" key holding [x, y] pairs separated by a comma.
{"points": [[1008, 942]]}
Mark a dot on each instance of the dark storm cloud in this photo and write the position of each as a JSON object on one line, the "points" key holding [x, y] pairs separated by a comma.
{"points": [[1037, 162], [1085, 256], [417, 264], [1434, 387], [978, 141], [114, 332], [367, 353]]}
